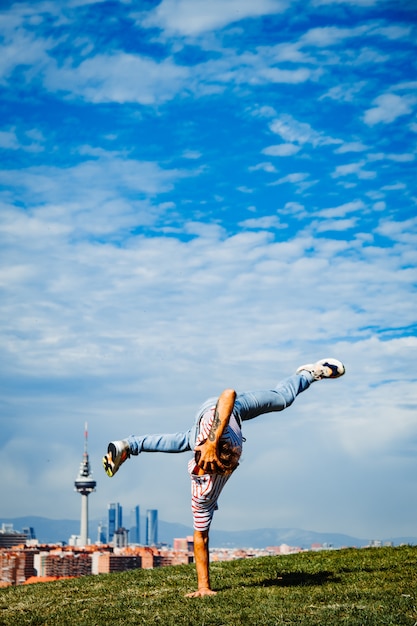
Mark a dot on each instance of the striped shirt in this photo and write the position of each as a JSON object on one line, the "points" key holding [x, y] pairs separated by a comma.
{"points": [[206, 488]]}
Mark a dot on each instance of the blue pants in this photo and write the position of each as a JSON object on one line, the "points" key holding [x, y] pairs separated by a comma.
{"points": [[248, 405]]}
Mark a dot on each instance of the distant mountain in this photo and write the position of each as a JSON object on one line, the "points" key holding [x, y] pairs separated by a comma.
{"points": [[56, 531], [262, 537], [295, 537], [46, 530]]}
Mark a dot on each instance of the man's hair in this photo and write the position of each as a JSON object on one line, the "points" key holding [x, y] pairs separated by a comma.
{"points": [[229, 455]]}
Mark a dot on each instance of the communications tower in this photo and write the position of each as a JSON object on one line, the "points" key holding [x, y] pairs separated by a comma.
{"points": [[84, 484]]}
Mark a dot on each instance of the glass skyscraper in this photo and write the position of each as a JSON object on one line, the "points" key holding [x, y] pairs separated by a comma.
{"points": [[135, 525], [115, 519], [151, 527]]}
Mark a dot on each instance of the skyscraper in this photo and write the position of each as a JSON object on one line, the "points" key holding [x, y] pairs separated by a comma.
{"points": [[102, 533], [151, 527], [85, 485], [135, 525], [115, 519]]}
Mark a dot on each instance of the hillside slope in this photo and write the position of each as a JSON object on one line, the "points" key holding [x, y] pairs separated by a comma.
{"points": [[352, 587]]}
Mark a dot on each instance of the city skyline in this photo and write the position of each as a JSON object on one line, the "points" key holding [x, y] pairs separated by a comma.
{"points": [[171, 531], [200, 195]]}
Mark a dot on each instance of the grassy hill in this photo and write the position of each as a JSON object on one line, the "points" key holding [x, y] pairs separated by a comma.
{"points": [[349, 587]]}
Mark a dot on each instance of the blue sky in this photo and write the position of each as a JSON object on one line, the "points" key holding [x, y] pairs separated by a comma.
{"points": [[200, 194]]}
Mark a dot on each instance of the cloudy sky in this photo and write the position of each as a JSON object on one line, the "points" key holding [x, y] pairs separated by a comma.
{"points": [[206, 193]]}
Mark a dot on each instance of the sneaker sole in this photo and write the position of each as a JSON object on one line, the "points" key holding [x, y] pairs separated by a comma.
{"points": [[108, 466], [112, 466]]}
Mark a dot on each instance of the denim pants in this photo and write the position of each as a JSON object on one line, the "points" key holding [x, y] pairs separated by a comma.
{"points": [[248, 405]]}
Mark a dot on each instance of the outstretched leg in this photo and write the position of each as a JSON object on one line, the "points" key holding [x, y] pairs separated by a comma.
{"points": [[171, 443], [253, 403], [250, 404], [119, 451]]}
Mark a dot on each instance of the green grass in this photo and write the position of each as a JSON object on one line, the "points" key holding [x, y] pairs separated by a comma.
{"points": [[346, 587]]}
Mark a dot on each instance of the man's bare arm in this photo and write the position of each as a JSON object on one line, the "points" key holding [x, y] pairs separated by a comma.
{"points": [[201, 555], [207, 454]]}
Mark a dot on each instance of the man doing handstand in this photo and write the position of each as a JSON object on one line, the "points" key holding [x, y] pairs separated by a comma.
{"points": [[216, 439]]}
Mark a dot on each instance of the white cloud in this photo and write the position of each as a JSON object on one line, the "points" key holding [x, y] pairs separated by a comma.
{"points": [[401, 158], [300, 180], [282, 150], [107, 195], [410, 85], [293, 131], [353, 169], [251, 68], [379, 206], [119, 77], [325, 36], [103, 175], [345, 92], [294, 208], [267, 112], [342, 210], [368, 56], [394, 187], [193, 17], [387, 108], [393, 32], [266, 167], [277, 75], [295, 177], [399, 231], [359, 3], [22, 48], [267, 222], [336, 225], [286, 52], [192, 154], [8, 140], [352, 146], [398, 158], [35, 134], [79, 3]]}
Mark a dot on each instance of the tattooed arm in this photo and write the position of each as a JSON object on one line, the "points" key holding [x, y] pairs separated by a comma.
{"points": [[207, 454]]}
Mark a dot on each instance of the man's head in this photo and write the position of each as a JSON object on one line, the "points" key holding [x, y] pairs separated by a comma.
{"points": [[228, 456]]}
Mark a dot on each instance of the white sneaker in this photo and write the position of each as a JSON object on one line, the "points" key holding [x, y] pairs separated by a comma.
{"points": [[325, 368], [117, 453]]}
